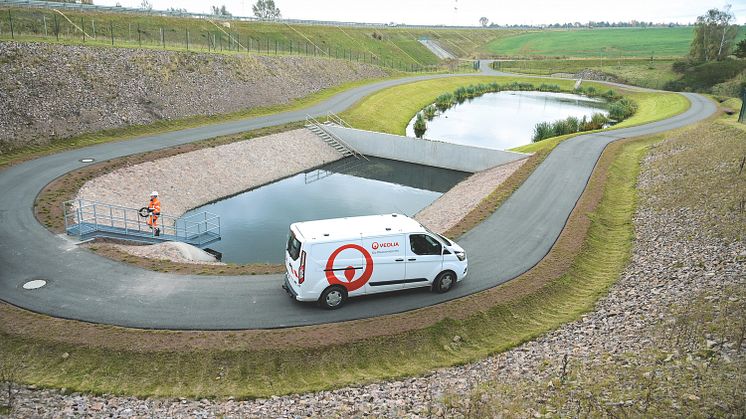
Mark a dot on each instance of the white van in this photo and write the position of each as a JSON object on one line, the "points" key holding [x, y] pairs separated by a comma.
{"points": [[330, 260]]}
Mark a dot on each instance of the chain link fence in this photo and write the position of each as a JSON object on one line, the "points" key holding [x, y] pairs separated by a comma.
{"points": [[205, 35]]}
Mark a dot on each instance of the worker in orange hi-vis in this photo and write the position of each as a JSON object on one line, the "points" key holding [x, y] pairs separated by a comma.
{"points": [[154, 210]]}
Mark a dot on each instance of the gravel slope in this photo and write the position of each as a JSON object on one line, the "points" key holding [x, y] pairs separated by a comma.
{"points": [[57, 91]]}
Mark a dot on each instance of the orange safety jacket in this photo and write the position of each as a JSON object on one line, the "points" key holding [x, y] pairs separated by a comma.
{"points": [[155, 206]]}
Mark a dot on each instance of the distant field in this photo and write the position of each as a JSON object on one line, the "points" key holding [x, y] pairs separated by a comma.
{"points": [[377, 45], [596, 43]]}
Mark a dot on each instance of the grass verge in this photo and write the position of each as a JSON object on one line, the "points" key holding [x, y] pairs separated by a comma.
{"points": [[587, 258]]}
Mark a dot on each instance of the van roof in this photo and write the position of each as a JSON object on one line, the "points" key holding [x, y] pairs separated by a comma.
{"points": [[349, 228]]}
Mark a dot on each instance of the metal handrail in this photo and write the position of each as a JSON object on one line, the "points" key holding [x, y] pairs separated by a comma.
{"points": [[333, 117], [91, 216], [312, 121]]}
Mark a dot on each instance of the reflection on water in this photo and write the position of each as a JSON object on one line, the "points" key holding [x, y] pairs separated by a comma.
{"points": [[254, 224], [505, 120]]}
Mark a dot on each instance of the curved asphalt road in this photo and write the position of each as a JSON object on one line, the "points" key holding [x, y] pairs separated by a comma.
{"points": [[84, 286]]}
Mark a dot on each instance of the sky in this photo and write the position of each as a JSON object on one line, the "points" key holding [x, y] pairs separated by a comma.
{"points": [[467, 12]]}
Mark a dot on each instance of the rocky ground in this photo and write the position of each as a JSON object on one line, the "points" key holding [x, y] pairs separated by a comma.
{"points": [[58, 91], [589, 74], [647, 324]]}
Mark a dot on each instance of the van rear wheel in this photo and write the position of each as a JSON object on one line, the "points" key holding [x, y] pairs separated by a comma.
{"points": [[444, 282], [333, 297]]}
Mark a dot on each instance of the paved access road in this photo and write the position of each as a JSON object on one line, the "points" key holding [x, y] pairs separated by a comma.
{"points": [[84, 286]]}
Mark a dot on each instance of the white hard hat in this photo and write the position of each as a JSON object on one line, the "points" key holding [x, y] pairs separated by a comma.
{"points": [[154, 193]]}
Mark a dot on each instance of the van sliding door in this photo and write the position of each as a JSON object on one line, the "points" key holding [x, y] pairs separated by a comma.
{"points": [[387, 254]]}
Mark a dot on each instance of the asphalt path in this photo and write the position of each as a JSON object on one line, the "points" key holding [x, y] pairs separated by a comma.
{"points": [[87, 287]]}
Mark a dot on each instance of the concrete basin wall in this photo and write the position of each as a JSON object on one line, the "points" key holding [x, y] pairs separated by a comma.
{"points": [[430, 153]]}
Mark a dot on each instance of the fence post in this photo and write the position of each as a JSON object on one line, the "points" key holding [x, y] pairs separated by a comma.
{"points": [[111, 29], [139, 38], [56, 28], [93, 25], [46, 33], [163, 38], [742, 114], [187, 39], [10, 18], [82, 28]]}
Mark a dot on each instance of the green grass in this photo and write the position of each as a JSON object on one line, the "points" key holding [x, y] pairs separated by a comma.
{"points": [[636, 71], [249, 373], [596, 43], [119, 134], [399, 46], [390, 110]]}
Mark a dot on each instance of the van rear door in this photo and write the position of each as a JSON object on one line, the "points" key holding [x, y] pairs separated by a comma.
{"points": [[387, 253], [294, 258], [424, 257]]}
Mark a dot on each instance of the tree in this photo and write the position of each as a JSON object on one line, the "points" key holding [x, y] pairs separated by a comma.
{"points": [[484, 21], [220, 11], [740, 51], [147, 5], [713, 35], [266, 9]]}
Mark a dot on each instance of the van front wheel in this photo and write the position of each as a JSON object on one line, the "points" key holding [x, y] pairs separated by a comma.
{"points": [[333, 297], [444, 282]]}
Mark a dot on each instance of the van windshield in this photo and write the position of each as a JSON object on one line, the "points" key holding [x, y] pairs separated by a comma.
{"points": [[293, 247], [445, 240]]}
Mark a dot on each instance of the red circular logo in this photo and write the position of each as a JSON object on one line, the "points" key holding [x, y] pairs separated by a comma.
{"points": [[350, 282]]}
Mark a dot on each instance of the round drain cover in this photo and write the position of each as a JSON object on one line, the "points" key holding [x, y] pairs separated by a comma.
{"points": [[35, 284], [87, 160]]}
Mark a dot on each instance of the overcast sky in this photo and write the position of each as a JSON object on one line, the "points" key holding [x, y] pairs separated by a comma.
{"points": [[467, 12]]}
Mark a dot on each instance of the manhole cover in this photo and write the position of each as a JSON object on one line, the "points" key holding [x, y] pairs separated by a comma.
{"points": [[35, 284], [87, 160]]}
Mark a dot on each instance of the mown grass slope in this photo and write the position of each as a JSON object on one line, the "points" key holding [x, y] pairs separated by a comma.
{"points": [[379, 45]]}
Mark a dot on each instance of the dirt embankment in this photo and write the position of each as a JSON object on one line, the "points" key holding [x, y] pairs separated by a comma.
{"points": [[57, 91]]}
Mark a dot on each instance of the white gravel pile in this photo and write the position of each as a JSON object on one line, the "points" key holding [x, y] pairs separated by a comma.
{"points": [[454, 205], [172, 251]]}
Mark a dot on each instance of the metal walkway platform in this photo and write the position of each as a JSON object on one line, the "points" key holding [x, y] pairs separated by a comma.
{"points": [[89, 219]]}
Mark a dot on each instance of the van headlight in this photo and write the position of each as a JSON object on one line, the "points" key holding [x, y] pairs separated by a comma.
{"points": [[461, 256]]}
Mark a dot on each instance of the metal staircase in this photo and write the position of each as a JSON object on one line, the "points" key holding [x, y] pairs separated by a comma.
{"points": [[89, 219], [328, 137]]}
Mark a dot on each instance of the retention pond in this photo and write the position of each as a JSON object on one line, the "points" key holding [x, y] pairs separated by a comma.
{"points": [[254, 224], [507, 119]]}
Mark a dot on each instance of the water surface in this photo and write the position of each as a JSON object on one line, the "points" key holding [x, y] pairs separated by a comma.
{"points": [[254, 224], [504, 120]]}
